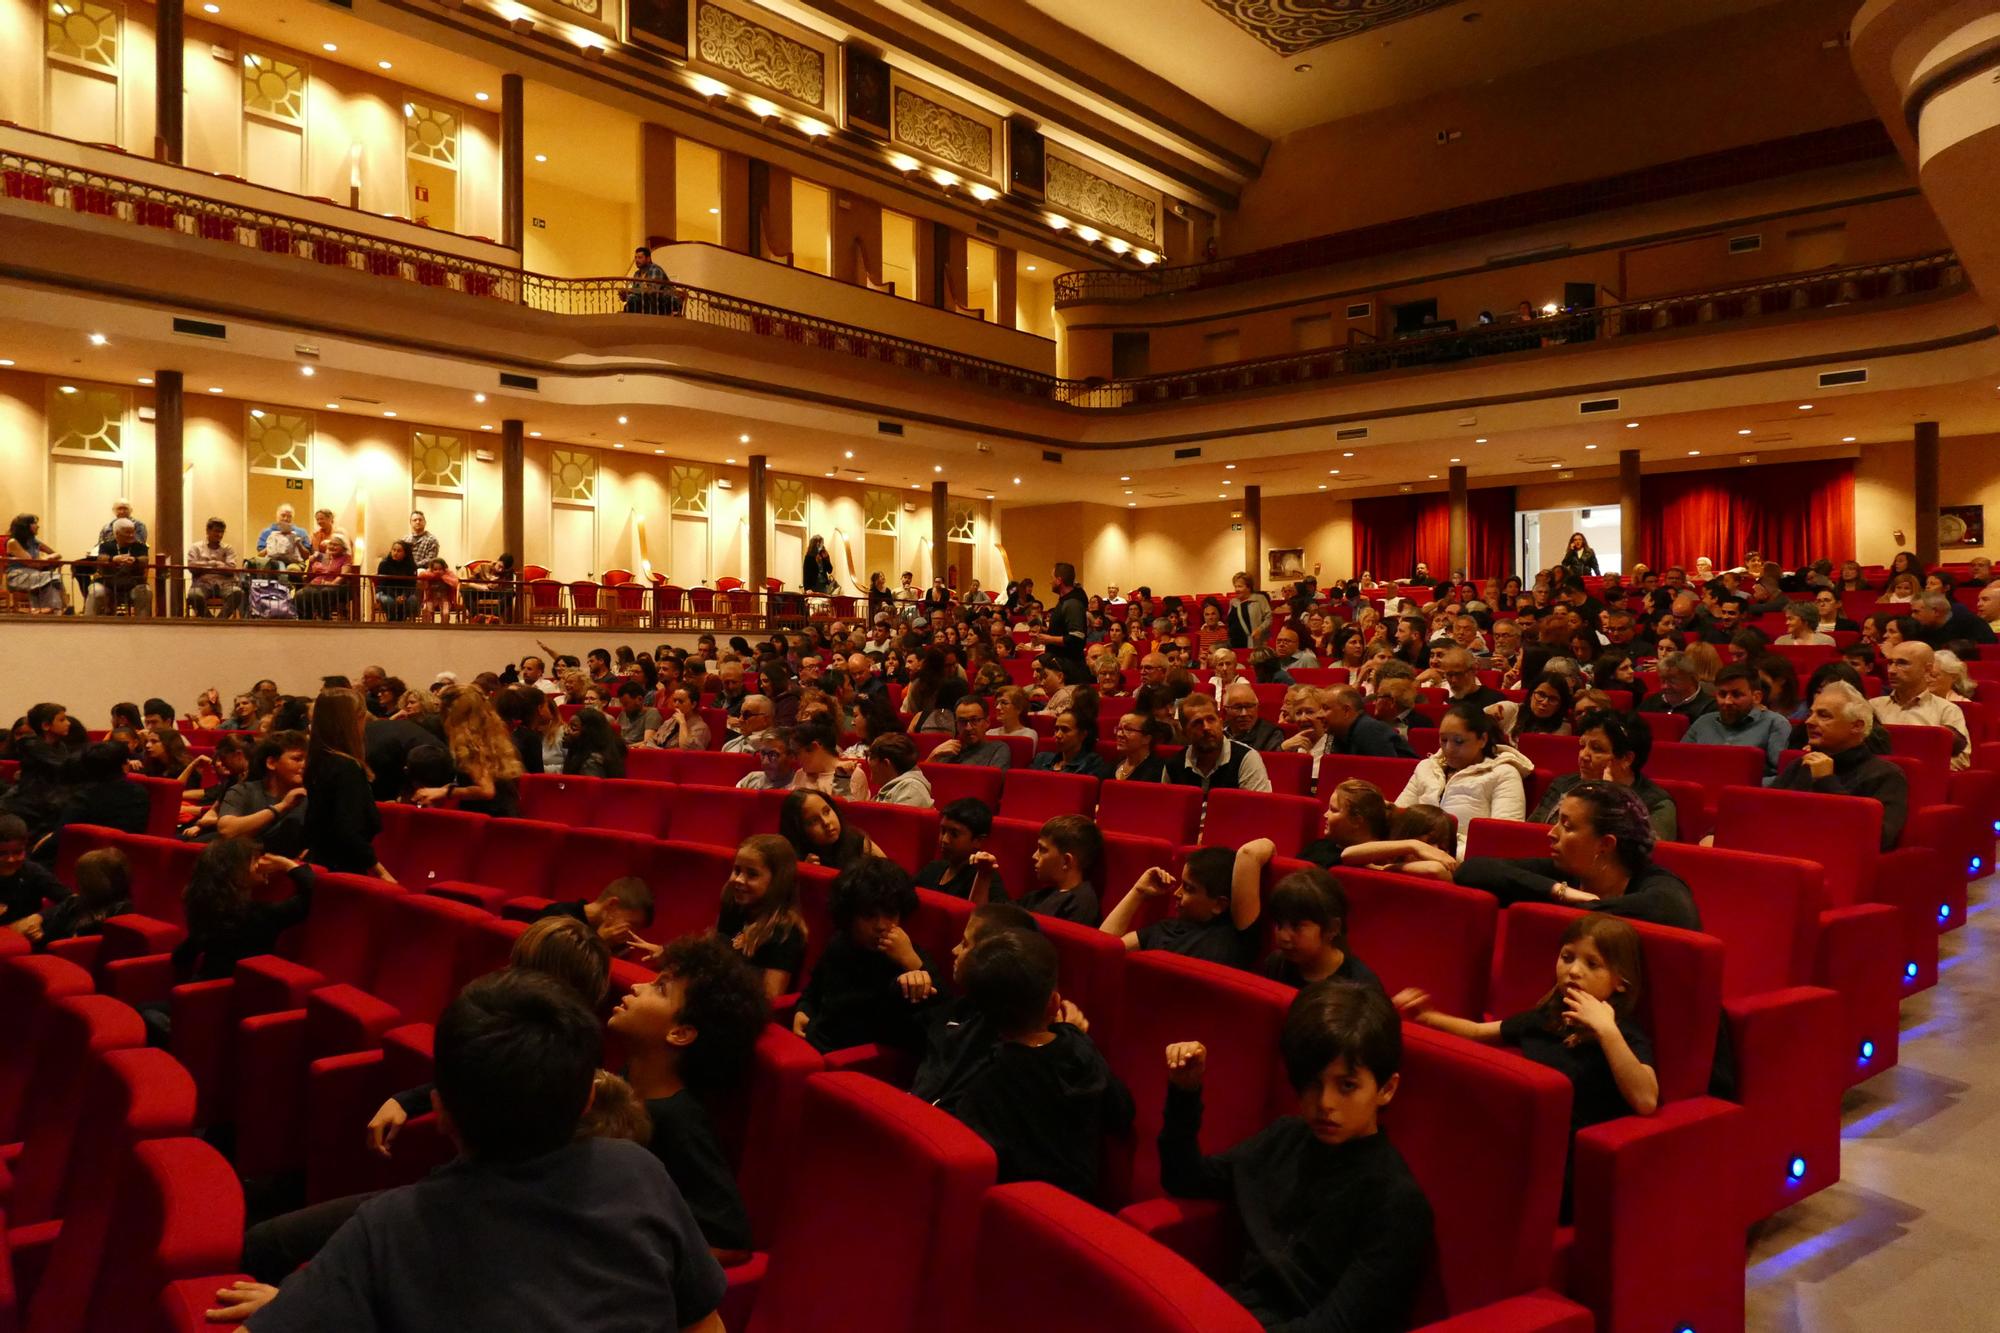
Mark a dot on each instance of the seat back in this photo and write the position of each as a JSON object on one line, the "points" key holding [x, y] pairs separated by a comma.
{"points": [[652, 765], [1091, 1271], [938, 924], [559, 797], [712, 768], [1555, 753], [161, 869], [163, 804], [522, 856], [1290, 771], [1506, 838], [592, 858], [1090, 972], [1389, 776], [632, 805], [1156, 809], [687, 880], [1414, 932], [907, 834], [1665, 728], [718, 816], [1930, 744], [1764, 909], [29, 988], [419, 962], [886, 1185], [1843, 834], [1012, 843], [1038, 796], [958, 782], [763, 1110], [347, 924], [1235, 817], [431, 845], [178, 1213], [76, 1033], [1712, 766]]}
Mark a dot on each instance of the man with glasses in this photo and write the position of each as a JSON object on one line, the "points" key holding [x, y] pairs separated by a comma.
{"points": [[1459, 671], [1153, 669], [1242, 721], [757, 716], [1350, 729], [969, 744]]}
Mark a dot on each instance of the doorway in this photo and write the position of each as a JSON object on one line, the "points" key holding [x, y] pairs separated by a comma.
{"points": [[1542, 535]]}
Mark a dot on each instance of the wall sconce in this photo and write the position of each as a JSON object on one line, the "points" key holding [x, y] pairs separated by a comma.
{"points": [[944, 178], [1089, 234], [592, 50], [1059, 222], [814, 129], [985, 194], [903, 162], [713, 89]]}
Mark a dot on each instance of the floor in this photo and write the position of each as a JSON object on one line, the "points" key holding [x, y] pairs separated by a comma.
{"points": [[1913, 1228]]}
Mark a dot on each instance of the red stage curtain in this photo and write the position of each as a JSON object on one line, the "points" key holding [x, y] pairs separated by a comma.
{"points": [[1393, 532], [1792, 513]]}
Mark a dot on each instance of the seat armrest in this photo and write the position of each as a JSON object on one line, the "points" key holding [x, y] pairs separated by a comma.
{"points": [[524, 908], [267, 983], [1790, 1072], [83, 950], [890, 1064], [1861, 960], [143, 980], [346, 1018], [184, 1303], [745, 1281], [202, 1037], [1201, 1231]]}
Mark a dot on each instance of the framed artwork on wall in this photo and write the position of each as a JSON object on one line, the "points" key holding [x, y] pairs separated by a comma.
{"points": [[1961, 525], [1288, 563]]}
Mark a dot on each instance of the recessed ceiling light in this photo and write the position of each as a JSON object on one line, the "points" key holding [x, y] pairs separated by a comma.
{"points": [[937, 467], [619, 444], [1847, 439], [715, 212], [661, 451], [1303, 67], [1128, 492], [621, 421], [486, 425], [383, 64], [1031, 268], [1134, 504], [1347, 453], [829, 474], [1124, 479], [1631, 425], [479, 97], [1433, 476], [726, 460], [387, 413], [541, 157], [328, 46], [307, 371], [215, 388], [1590, 446], [743, 439], [1555, 465], [211, 9], [1229, 467], [1480, 440], [1333, 472], [1017, 482], [145, 379], [68, 388], [1744, 431], [333, 407], [1222, 497], [1694, 453], [1454, 460], [6, 360], [98, 340], [1805, 407], [859, 477], [850, 453], [535, 434], [478, 397]]}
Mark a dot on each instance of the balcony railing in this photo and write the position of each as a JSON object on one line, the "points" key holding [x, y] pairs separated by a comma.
{"points": [[141, 204]]}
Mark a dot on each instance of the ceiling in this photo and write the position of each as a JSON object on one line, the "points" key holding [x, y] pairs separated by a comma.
{"points": [[1234, 56]]}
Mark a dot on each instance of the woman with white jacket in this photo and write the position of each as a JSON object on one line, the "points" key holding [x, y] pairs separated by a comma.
{"points": [[1473, 775]]}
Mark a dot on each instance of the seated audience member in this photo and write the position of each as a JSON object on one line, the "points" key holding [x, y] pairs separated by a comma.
{"points": [[617, 913], [759, 916], [1473, 775], [969, 743], [269, 804], [684, 727], [1941, 620], [437, 584], [1217, 901], [755, 715], [1045, 1098], [856, 995], [25, 885], [1828, 616], [1355, 813], [893, 773], [1291, 656], [1681, 691], [1138, 737], [1010, 713], [1838, 761], [1740, 718], [103, 890], [1583, 1028], [1458, 671], [531, 1224], [486, 765], [819, 832], [1211, 758], [102, 794], [1350, 730], [1068, 852], [958, 1038], [638, 721], [118, 572], [1308, 914], [223, 583], [1337, 1232], [1802, 625], [226, 919], [328, 592], [1422, 841], [1242, 722], [1075, 739], [689, 1033], [820, 767], [1911, 701], [1548, 706], [963, 868], [1613, 747], [1395, 702], [1600, 857], [592, 746]]}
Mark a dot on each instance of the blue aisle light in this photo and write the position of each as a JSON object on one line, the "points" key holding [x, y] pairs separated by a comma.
{"points": [[1910, 972], [1944, 911], [1798, 1168], [1867, 1050], [1976, 863]]}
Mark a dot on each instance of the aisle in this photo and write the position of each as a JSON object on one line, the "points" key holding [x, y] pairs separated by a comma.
{"points": [[1912, 1232]]}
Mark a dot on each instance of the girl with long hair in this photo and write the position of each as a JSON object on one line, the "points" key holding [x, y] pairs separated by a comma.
{"points": [[760, 916], [488, 764], [341, 819]]}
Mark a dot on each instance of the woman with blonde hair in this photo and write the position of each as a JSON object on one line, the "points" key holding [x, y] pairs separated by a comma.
{"points": [[488, 764], [1705, 660]]}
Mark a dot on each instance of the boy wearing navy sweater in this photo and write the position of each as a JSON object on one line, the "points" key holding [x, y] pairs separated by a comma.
{"points": [[1067, 854], [1217, 902], [1337, 1233]]}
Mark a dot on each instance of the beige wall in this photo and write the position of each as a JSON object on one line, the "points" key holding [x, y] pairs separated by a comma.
{"points": [[1968, 474], [586, 236], [1178, 548]]}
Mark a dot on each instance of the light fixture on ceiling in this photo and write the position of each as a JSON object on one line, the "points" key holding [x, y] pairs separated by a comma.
{"points": [[1058, 221], [1433, 476], [1347, 453], [215, 388], [1031, 268], [478, 397], [1228, 482], [903, 162], [1322, 485], [211, 9], [333, 407], [541, 157], [534, 435], [621, 421], [1805, 407], [1017, 482], [1117, 246], [708, 87], [829, 474], [947, 179], [1229, 467], [1744, 431], [1145, 256], [1454, 460], [1124, 479], [1590, 446], [1847, 439], [937, 467], [1333, 472], [6, 361], [661, 451], [486, 425], [98, 340], [850, 453], [1222, 497], [328, 46], [1480, 440], [618, 444], [1134, 504], [761, 108], [1694, 453], [814, 129], [307, 371], [985, 194], [729, 460], [1303, 67], [1631, 425], [1555, 465], [480, 97], [1090, 234], [67, 388], [145, 379], [387, 413], [743, 439]]}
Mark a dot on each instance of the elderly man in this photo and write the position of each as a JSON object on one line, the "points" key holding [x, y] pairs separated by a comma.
{"points": [[1350, 730], [1989, 605], [1222, 662], [214, 554], [861, 670], [1458, 671], [969, 744], [118, 576], [1681, 691], [1943, 620], [756, 716], [1912, 669], [1465, 633], [1291, 657], [1394, 703], [1153, 669], [283, 542], [1244, 723], [1838, 763], [1211, 759]]}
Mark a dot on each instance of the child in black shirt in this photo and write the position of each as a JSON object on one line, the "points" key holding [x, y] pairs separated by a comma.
{"points": [[958, 1038], [225, 925], [760, 915], [24, 885], [616, 914], [1067, 853], [1216, 904], [963, 827], [103, 890], [1308, 912], [1337, 1232], [1044, 1097], [862, 990]]}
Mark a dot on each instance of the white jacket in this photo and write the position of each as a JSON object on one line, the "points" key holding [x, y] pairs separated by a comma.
{"points": [[1490, 789]]}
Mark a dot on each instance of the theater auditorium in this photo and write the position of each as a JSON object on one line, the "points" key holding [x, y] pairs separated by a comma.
{"points": [[875, 666]]}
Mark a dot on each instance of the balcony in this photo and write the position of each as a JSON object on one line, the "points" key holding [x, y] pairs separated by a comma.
{"points": [[803, 310]]}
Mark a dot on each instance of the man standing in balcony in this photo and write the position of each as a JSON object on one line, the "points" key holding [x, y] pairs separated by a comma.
{"points": [[650, 293], [423, 543]]}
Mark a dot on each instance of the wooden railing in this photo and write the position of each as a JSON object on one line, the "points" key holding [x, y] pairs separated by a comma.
{"points": [[141, 204]]}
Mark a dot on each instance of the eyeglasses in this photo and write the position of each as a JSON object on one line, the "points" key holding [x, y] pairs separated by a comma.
{"points": [[1250, 707]]}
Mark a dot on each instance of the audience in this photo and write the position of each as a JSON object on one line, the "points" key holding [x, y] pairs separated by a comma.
{"points": [[1473, 774], [857, 993], [1740, 718], [1600, 857]]}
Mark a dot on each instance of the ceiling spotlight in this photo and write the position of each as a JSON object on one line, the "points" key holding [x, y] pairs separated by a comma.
{"points": [[328, 46], [211, 9], [1031, 268], [1229, 467], [1134, 504], [1454, 460], [1555, 465], [486, 425], [1347, 453], [215, 388], [1744, 431], [1433, 476], [307, 371], [478, 397], [1631, 425], [257, 413], [1124, 479], [479, 97], [68, 388], [1590, 446], [1480, 440], [333, 407], [387, 413], [1333, 472], [98, 340], [534, 434], [937, 467], [6, 361], [1322, 485], [1222, 497], [621, 421], [1694, 453], [850, 453], [1847, 439], [1303, 67], [1805, 407], [726, 460], [145, 379], [829, 474], [1017, 482], [661, 451], [743, 439], [383, 64], [1227, 482], [620, 444], [541, 157]]}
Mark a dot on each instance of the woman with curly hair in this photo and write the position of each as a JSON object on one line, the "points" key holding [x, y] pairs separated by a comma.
{"points": [[489, 768]]}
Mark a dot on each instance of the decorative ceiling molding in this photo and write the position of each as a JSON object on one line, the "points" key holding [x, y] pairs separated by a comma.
{"points": [[602, 17], [940, 126], [1085, 192], [781, 63], [1291, 26]]}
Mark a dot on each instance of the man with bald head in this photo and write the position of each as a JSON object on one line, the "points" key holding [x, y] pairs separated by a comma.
{"points": [[1459, 670], [1242, 721], [1350, 729], [867, 682], [1910, 703]]}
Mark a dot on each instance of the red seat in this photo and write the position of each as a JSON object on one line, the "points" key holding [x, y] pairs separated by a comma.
{"points": [[652, 765], [1556, 753], [886, 1185], [163, 804], [1291, 771], [958, 782], [718, 816], [1235, 817], [1037, 796], [74, 1035], [907, 835], [1012, 843], [631, 805], [30, 987], [1388, 776], [558, 797], [517, 857], [712, 768], [1091, 973], [1414, 932], [1668, 727], [687, 879], [177, 1221], [1154, 809], [419, 846]]}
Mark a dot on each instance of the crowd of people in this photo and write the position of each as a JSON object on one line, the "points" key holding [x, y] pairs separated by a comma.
{"points": [[1339, 1229]]}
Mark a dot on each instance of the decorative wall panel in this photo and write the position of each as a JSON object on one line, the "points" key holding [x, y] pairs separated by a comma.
{"points": [[788, 500], [1081, 193], [1291, 26], [759, 54], [84, 33], [573, 475], [274, 88], [688, 489], [430, 133], [964, 522], [87, 419], [932, 128], [278, 442], [437, 461], [880, 511]]}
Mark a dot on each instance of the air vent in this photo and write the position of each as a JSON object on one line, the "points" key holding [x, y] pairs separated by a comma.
{"points": [[1591, 405], [528, 382], [1194, 451], [1051, 456], [888, 428], [1743, 245], [1361, 310], [1352, 433], [201, 328], [1833, 379]]}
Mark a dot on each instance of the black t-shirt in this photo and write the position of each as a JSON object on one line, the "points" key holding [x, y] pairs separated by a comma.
{"points": [[853, 999], [783, 949], [939, 876], [1280, 968], [1217, 940], [1078, 904], [1597, 1098], [22, 893], [1046, 1109], [686, 1146]]}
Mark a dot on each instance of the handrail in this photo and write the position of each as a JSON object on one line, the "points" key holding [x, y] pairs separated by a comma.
{"points": [[95, 193]]}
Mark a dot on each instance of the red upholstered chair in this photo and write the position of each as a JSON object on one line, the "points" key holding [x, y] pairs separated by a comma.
{"points": [[711, 768], [163, 804], [1090, 972], [1291, 771], [74, 1035], [939, 923], [1154, 809], [652, 765], [886, 1185], [1038, 796], [1415, 932], [512, 858], [631, 805], [957, 782], [422, 846], [30, 988], [1020, 751], [1668, 727], [1012, 843], [592, 858], [906, 834], [176, 1222], [1556, 753], [718, 816], [558, 797], [1389, 776], [687, 880], [1235, 817], [1089, 1272]]}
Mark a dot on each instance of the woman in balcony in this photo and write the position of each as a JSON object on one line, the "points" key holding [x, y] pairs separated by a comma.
{"points": [[327, 592], [32, 568], [396, 582], [818, 575]]}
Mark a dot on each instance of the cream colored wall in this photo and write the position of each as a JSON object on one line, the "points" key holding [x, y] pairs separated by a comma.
{"points": [[24, 472], [21, 68], [587, 236], [1884, 478]]}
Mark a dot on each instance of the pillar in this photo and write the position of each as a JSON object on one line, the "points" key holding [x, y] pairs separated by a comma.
{"points": [[1924, 487], [513, 160], [658, 184], [169, 527], [737, 210], [1628, 509], [169, 86], [1253, 532], [760, 525], [513, 509], [1458, 546], [1004, 287], [941, 528]]}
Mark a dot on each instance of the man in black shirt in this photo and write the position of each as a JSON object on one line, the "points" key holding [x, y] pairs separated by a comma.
{"points": [[1242, 722], [1069, 619], [1459, 671], [1838, 761], [388, 742], [1216, 906], [1944, 620], [1350, 730]]}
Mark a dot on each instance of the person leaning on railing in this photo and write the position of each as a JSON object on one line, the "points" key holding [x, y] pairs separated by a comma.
{"points": [[118, 576], [651, 291]]}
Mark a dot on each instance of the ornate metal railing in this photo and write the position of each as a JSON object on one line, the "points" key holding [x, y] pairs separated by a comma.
{"points": [[147, 205]]}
